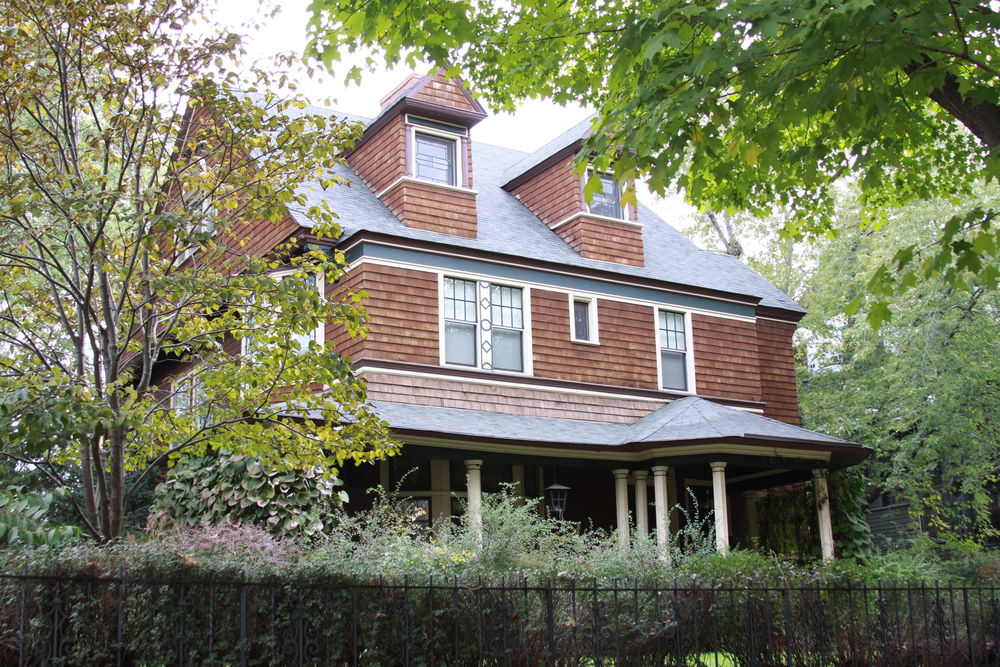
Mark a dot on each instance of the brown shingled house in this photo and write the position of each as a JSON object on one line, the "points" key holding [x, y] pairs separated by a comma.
{"points": [[521, 334]]}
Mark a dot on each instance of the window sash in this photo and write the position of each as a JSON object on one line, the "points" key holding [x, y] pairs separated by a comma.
{"points": [[581, 320], [434, 158], [607, 200], [672, 332]]}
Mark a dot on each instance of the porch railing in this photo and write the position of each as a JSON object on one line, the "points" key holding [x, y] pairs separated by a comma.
{"points": [[107, 620]]}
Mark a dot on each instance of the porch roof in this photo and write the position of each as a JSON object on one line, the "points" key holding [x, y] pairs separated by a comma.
{"points": [[689, 420]]}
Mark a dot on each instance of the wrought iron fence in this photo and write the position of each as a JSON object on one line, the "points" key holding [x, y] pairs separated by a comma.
{"points": [[100, 620]]}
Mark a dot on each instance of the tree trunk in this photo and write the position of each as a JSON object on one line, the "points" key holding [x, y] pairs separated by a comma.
{"points": [[982, 119]]}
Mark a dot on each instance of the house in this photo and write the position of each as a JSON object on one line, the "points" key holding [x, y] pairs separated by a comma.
{"points": [[521, 334]]}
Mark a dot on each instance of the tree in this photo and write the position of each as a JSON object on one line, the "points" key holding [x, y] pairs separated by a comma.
{"points": [[924, 389], [746, 105], [141, 162]]}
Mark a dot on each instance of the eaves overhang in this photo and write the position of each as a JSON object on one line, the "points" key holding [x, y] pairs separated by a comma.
{"points": [[350, 241]]}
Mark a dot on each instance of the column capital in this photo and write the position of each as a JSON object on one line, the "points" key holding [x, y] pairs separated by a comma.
{"points": [[620, 473], [473, 464], [718, 466], [820, 473], [640, 474], [660, 470]]}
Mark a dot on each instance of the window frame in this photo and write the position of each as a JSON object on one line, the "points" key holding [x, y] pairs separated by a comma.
{"points": [[459, 153], [623, 209], [481, 291], [189, 378], [689, 366], [319, 336], [591, 302]]}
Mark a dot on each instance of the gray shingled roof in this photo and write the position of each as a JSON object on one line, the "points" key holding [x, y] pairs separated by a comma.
{"points": [[682, 420], [507, 227], [576, 133]]}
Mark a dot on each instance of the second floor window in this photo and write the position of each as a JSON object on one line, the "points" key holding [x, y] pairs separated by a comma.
{"points": [[583, 320], [673, 351], [483, 325], [434, 158], [607, 200]]}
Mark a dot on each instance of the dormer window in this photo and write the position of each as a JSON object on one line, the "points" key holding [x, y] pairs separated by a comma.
{"points": [[434, 158], [607, 200]]}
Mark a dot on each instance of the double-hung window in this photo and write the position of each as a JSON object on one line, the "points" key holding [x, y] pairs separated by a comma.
{"points": [[673, 351], [483, 325], [435, 158], [607, 200]]}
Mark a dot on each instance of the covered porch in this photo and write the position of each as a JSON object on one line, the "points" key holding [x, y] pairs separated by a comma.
{"points": [[690, 456]]}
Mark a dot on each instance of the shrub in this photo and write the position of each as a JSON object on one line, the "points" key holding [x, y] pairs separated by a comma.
{"points": [[225, 488]]}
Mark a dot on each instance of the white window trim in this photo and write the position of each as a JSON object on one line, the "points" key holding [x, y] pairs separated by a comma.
{"points": [[320, 334], [459, 155], [595, 338], [526, 343], [176, 382], [692, 389], [625, 208]]}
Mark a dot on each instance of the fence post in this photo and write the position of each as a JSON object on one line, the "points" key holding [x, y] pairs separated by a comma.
{"points": [[354, 620], [243, 621], [120, 617], [550, 623], [22, 614]]}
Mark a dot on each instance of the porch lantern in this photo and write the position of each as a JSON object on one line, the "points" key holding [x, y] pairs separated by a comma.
{"points": [[555, 499]]}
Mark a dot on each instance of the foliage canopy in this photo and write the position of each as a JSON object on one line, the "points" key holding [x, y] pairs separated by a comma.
{"points": [[140, 160], [748, 105]]}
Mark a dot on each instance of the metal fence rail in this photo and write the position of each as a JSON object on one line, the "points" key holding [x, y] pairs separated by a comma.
{"points": [[101, 620]]}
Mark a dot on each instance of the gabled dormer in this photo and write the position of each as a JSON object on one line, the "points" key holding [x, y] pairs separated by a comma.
{"points": [[547, 183], [417, 156]]}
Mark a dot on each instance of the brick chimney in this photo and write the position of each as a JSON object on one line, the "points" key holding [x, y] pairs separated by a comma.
{"points": [[417, 157]]}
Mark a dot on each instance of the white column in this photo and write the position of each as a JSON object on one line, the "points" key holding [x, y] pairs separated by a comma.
{"points": [[822, 491], [662, 507], [474, 486], [621, 507], [721, 513], [641, 502], [753, 530]]}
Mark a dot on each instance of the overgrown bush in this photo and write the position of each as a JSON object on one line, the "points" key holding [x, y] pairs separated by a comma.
{"points": [[226, 488]]}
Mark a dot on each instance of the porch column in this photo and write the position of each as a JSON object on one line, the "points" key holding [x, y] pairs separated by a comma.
{"points": [[822, 491], [641, 502], [753, 530], [621, 506], [721, 513], [474, 486], [660, 498]]}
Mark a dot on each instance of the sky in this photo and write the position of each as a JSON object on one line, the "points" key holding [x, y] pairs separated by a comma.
{"points": [[535, 123]]}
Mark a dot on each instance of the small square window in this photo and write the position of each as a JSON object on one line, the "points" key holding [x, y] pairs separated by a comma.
{"points": [[434, 158], [607, 200]]}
